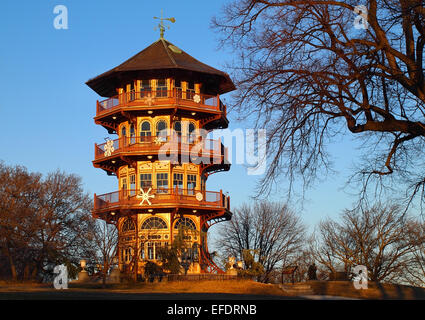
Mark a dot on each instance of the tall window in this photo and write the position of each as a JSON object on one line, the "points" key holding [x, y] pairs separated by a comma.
{"points": [[132, 134], [124, 135], [178, 182], [145, 131], [132, 185], [145, 88], [132, 93], [145, 180], [151, 252], [191, 132], [161, 88], [178, 128], [127, 254], [191, 183], [190, 91], [178, 88], [124, 186], [162, 182], [161, 127]]}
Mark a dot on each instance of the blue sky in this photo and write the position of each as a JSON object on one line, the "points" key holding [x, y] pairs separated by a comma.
{"points": [[47, 110]]}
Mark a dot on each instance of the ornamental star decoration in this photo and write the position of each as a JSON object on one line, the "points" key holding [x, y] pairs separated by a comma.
{"points": [[149, 100], [158, 140], [145, 196], [108, 148], [197, 98]]}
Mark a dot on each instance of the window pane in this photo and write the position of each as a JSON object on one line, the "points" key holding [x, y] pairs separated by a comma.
{"points": [[178, 182], [132, 184], [191, 130], [161, 126], [162, 182], [145, 131], [161, 90], [178, 127], [191, 183], [145, 88], [145, 180], [132, 134], [150, 251]]}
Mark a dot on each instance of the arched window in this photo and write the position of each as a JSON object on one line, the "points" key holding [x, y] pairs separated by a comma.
{"points": [[145, 131], [161, 125], [154, 223], [178, 128], [128, 225], [186, 223]]}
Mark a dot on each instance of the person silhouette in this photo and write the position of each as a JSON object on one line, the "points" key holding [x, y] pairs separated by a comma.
{"points": [[312, 272]]}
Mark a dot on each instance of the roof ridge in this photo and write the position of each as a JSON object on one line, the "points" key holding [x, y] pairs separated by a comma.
{"points": [[168, 52]]}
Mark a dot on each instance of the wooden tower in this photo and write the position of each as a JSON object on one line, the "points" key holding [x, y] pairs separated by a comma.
{"points": [[161, 99]]}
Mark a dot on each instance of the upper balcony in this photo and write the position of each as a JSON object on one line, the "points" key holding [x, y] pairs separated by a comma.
{"points": [[127, 150], [152, 200], [208, 108]]}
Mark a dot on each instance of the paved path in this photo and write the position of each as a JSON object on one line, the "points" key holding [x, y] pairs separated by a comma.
{"points": [[72, 294]]}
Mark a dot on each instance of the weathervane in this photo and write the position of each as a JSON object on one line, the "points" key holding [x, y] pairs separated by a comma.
{"points": [[162, 26]]}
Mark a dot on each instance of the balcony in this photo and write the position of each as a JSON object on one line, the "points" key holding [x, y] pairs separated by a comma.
{"points": [[159, 199], [161, 98], [207, 150]]}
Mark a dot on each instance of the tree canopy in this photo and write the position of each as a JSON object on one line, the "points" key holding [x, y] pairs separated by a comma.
{"points": [[308, 75]]}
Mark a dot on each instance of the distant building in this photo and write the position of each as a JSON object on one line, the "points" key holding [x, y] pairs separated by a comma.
{"points": [[159, 89]]}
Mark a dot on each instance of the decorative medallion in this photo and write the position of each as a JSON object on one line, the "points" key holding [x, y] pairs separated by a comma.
{"points": [[149, 100], [145, 196], [108, 148], [199, 196], [197, 98], [158, 140]]}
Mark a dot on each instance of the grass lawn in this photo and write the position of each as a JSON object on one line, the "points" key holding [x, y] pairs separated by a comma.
{"points": [[242, 287]]}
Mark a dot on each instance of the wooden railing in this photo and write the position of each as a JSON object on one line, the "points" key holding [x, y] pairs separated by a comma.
{"points": [[130, 198], [149, 98], [207, 148]]}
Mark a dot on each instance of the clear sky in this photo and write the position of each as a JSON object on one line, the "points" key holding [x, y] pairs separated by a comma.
{"points": [[47, 110]]}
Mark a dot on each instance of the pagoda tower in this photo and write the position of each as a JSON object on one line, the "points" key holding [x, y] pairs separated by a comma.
{"points": [[158, 106]]}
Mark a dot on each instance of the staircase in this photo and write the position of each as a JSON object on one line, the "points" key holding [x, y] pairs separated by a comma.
{"points": [[297, 289]]}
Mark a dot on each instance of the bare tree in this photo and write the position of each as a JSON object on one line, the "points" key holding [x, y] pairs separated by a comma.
{"points": [[415, 274], [378, 238], [42, 221], [104, 240], [271, 228], [304, 72]]}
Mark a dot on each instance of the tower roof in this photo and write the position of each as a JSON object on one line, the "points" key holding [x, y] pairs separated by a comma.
{"points": [[161, 58]]}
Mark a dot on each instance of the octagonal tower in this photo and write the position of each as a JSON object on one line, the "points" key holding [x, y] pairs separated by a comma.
{"points": [[161, 99]]}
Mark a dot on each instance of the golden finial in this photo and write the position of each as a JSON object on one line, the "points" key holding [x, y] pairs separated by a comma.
{"points": [[162, 26]]}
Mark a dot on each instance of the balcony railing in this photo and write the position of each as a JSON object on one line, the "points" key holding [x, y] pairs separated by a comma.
{"points": [[150, 98], [158, 197], [152, 144]]}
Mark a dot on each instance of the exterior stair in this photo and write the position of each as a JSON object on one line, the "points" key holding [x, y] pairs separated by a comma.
{"points": [[297, 289]]}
